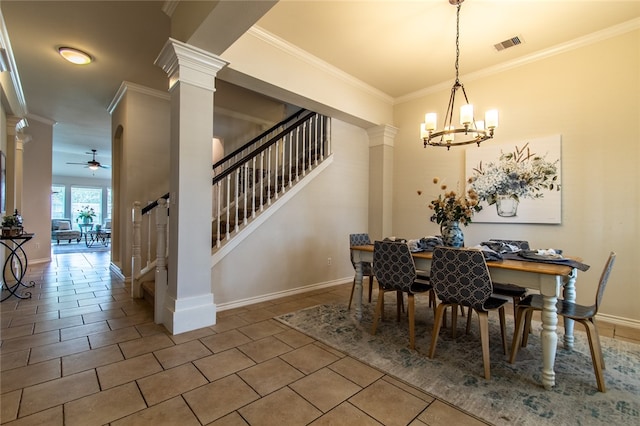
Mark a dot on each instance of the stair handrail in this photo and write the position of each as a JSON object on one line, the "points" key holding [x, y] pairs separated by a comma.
{"points": [[265, 146], [257, 138], [146, 209]]}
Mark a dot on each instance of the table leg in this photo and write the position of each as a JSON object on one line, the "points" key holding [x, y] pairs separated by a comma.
{"points": [[569, 294], [17, 268], [358, 290], [549, 335]]}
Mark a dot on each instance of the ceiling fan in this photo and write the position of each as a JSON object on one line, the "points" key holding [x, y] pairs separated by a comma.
{"points": [[93, 164]]}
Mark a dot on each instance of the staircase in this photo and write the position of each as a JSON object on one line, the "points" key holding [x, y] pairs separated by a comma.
{"points": [[247, 183], [254, 177]]}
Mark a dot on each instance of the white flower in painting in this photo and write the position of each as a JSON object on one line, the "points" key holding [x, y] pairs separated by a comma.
{"points": [[518, 174]]}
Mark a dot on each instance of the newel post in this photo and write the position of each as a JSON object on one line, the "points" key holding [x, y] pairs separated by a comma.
{"points": [[136, 258], [162, 213]]}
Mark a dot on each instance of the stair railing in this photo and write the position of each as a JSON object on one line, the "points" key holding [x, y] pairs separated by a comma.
{"points": [[244, 183], [267, 172]]}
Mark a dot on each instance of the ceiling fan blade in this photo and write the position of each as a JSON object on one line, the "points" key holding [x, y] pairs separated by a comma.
{"points": [[79, 164], [104, 166]]}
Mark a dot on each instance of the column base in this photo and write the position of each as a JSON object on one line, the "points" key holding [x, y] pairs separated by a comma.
{"points": [[182, 315]]}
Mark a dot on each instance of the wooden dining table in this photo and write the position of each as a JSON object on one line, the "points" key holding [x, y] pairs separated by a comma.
{"points": [[550, 279]]}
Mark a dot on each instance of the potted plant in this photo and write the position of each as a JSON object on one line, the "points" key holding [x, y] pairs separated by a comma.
{"points": [[86, 214]]}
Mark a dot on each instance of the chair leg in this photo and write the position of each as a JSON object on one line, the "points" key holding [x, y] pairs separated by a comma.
{"points": [[503, 329], [517, 333], [593, 320], [469, 315], [527, 327], [370, 287], [379, 310], [454, 321], [596, 353], [353, 287], [516, 300], [437, 322], [412, 325], [432, 298], [484, 337], [399, 301]]}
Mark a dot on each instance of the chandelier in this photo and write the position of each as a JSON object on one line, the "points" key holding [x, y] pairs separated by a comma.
{"points": [[475, 131]]}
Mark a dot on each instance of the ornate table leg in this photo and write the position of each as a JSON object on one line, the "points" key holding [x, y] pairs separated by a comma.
{"points": [[549, 339], [17, 268], [358, 289], [569, 294]]}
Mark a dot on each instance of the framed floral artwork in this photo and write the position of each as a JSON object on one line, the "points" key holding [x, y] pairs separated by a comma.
{"points": [[517, 182]]}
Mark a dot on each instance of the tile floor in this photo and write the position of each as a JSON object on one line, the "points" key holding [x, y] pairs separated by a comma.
{"points": [[82, 352]]}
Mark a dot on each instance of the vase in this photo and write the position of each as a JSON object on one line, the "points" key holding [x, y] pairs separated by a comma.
{"points": [[507, 206], [87, 220], [452, 235]]}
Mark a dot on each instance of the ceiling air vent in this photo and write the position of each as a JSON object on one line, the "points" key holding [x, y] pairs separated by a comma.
{"points": [[513, 41]]}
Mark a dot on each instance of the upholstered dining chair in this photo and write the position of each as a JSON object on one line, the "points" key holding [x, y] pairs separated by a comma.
{"points": [[515, 292], [367, 270], [586, 315], [460, 277], [395, 271]]}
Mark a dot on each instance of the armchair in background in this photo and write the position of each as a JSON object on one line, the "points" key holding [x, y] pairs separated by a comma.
{"points": [[62, 229]]}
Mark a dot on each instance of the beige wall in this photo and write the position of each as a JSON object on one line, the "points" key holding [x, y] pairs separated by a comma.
{"points": [[590, 96], [291, 248], [144, 168], [36, 190]]}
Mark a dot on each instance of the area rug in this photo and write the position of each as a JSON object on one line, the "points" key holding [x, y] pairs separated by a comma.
{"points": [[514, 395]]}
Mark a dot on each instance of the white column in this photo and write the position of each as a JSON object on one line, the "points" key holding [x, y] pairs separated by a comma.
{"points": [[12, 175], [381, 146], [189, 302]]}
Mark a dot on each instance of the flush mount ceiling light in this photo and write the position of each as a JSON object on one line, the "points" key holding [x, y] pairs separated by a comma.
{"points": [[75, 56], [475, 131]]}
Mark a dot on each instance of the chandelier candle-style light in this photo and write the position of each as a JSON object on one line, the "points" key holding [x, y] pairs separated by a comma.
{"points": [[475, 131]]}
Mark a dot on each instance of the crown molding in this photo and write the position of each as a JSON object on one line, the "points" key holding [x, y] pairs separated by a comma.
{"points": [[21, 108], [169, 6], [316, 62], [127, 86]]}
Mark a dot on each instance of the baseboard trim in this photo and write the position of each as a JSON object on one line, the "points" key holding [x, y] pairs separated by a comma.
{"points": [[279, 294], [612, 319]]}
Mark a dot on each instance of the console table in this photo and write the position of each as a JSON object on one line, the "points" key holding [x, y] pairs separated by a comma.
{"points": [[15, 266]]}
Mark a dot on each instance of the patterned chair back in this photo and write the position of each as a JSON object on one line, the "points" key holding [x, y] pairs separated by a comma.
{"points": [[521, 244], [461, 276], [393, 265], [360, 240]]}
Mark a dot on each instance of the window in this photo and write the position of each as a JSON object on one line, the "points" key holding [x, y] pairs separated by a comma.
{"points": [[83, 197], [109, 203], [57, 201]]}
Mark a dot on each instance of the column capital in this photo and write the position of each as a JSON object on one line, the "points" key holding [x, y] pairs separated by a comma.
{"points": [[383, 134], [15, 124], [189, 64]]}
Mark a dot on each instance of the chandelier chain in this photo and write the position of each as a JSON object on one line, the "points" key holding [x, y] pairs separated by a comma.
{"points": [[475, 132], [457, 40]]}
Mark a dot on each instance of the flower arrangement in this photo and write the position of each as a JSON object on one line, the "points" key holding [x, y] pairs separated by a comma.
{"points": [[450, 206], [86, 213], [518, 174], [10, 221]]}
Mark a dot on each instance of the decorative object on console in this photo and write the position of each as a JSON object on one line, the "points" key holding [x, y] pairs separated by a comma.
{"points": [[475, 131], [12, 225]]}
